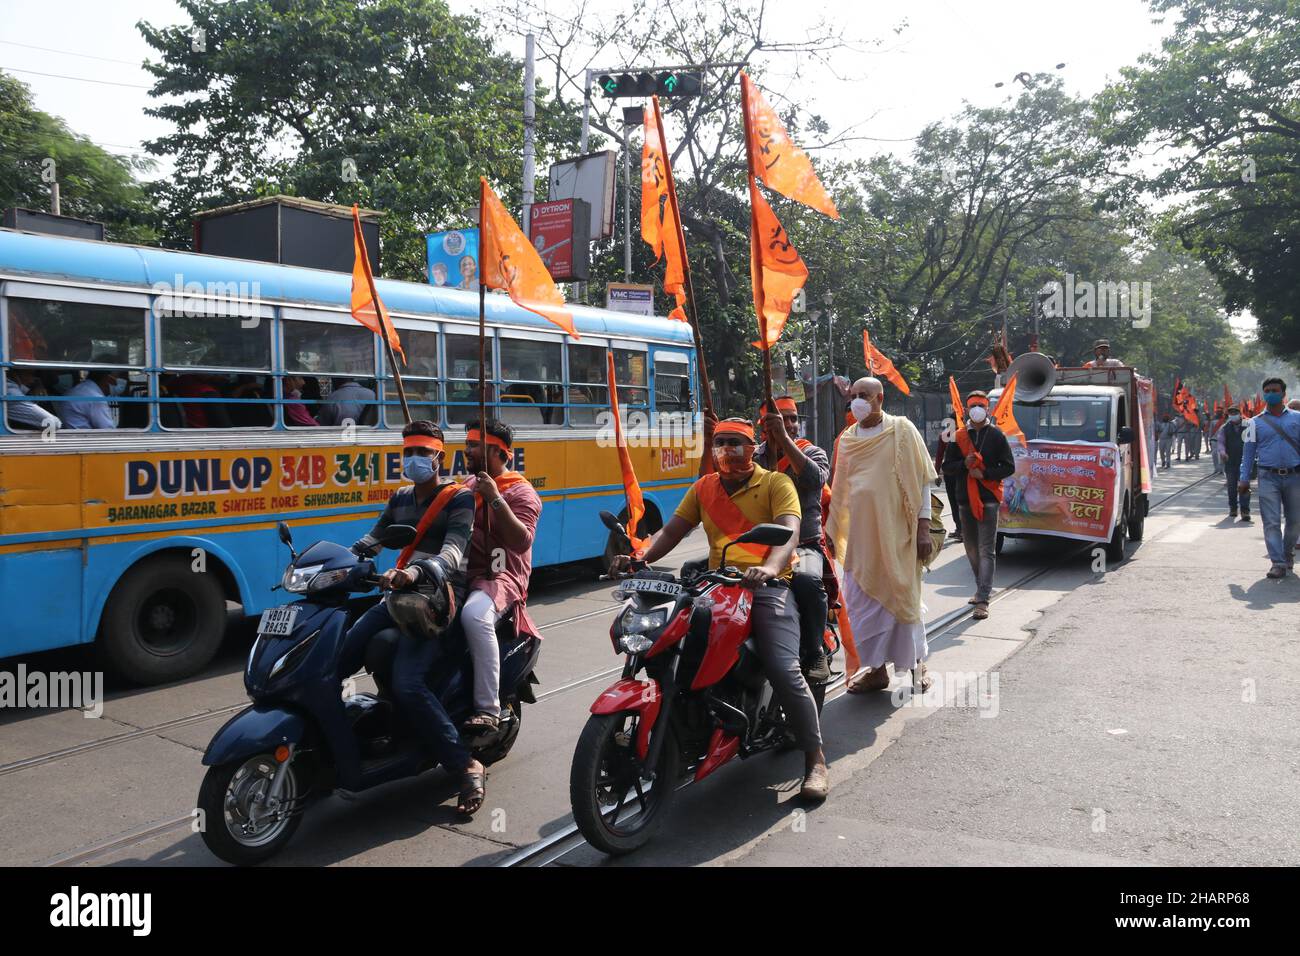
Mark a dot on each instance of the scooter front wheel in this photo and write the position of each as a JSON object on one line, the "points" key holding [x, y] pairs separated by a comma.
{"points": [[239, 821], [617, 808]]}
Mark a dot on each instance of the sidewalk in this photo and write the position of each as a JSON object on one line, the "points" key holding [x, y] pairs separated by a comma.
{"points": [[1150, 718]]}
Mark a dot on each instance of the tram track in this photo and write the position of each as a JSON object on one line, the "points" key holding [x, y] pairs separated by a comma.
{"points": [[543, 852], [567, 839]]}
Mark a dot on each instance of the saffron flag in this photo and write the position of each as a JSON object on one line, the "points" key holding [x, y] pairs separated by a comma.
{"points": [[878, 363], [1004, 417], [781, 164], [660, 219], [509, 261], [955, 396], [366, 308], [775, 268], [635, 503], [1227, 399]]}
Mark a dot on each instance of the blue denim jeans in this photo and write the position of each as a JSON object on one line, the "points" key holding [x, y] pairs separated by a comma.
{"points": [[1279, 497], [414, 658]]}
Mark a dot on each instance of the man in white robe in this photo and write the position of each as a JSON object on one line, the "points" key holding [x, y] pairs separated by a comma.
{"points": [[880, 525]]}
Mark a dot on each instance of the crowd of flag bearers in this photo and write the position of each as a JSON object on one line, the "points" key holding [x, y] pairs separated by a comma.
{"points": [[864, 522]]}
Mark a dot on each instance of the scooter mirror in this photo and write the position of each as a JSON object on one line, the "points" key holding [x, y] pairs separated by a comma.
{"points": [[611, 522], [285, 536], [397, 536]]}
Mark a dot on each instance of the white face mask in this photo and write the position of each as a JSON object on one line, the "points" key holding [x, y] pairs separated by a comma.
{"points": [[978, 413], [861, 408], [1234, 418]]}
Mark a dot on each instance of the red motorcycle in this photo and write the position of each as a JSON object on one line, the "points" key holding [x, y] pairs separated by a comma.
{"points": [[704, 698]]}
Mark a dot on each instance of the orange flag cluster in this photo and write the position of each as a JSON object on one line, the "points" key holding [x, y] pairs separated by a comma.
{"points": [[661, 222], [878, 364], [775, 268], [1004, 415]]}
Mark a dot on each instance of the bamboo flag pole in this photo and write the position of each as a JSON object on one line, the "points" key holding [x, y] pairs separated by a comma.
{"points": [[482, 360], [386, 331], [692, 309]]}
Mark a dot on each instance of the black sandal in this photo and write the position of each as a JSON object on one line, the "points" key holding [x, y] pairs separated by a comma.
{"points": [[472, 791], [481, 723]]}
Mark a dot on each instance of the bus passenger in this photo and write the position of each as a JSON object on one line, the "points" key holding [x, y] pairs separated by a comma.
{"points": [[348, 401], [295, 412], [202, 414], [24, 414], [94, 413], [500, 561]]}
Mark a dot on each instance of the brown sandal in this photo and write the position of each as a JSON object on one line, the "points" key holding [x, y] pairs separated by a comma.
{"points": [[481, 723], [981, 611], [875, 679], [472, 791]]}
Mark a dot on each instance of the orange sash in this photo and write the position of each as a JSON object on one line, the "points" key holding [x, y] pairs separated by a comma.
{"points": [[725, 515], [430, 513], [972, 483]]}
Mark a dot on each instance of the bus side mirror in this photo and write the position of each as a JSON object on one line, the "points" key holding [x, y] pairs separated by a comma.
{"points": [[1125, 435]]}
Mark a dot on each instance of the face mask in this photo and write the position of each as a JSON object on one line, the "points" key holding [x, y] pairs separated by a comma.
{"points": [[734, 459], [418, 468], [119, 387], [978, 413], [1234, 418], [861, 409], [1273, 398]]}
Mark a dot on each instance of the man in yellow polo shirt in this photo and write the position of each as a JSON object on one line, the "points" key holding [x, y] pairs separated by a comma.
{"points": [[736, 496]]}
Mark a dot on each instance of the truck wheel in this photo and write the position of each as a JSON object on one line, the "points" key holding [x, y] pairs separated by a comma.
{"points": [[1115, 547], [1137, 522], [163, 621]]}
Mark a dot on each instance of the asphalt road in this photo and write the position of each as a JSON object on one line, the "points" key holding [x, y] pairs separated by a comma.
{"points": [[118, 790]]}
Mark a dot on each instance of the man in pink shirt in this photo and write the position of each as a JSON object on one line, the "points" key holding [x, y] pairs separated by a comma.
{"points": [[499, 562]]}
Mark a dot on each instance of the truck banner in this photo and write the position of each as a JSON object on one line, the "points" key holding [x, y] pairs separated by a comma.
{"points": [[1065, 489]]}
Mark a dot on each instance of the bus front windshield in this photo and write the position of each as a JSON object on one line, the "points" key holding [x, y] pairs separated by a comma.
{"points": [[1066, 419]]}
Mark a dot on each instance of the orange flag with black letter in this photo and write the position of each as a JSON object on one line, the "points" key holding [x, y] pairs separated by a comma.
{"points": [[781, 164], [635, 503], [660, 219], [878, 364], [367, 308], [1004, 417], [775, 268], [508, 261]]}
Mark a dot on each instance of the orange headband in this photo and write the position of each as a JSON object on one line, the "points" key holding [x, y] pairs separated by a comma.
{"points": [[784, 405], [475, 437], [734, 428], [422, 441], [977, 400]]}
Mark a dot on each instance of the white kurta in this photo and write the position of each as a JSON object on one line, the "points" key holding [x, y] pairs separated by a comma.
{"points": [[880, 637]]}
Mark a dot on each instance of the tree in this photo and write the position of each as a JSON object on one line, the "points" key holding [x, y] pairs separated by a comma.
{"points": [[1220, 108], [395, 104], [36, 147]]}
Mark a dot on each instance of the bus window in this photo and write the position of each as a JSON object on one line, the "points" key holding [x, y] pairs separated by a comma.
{"points": [[531, 382], [462, 377], [213, 358], [588, 395], [315, 351], [672, 382], [420, 378], [633, 382], [87, 360]]}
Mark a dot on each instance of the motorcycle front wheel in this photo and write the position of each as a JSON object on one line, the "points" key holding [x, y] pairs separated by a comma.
{"points": [[617, 808], [238, 823]]}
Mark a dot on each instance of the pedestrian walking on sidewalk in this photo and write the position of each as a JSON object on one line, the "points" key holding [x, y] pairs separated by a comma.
{"points": [[1272, 441], [950, 485], [1229, 444], [980, 459]]}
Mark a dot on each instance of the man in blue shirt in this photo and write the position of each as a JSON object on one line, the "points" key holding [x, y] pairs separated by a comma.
{"points": [[94, 412], [1272, 440]]}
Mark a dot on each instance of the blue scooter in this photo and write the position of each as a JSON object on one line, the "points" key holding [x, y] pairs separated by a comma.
{"points": [[302, 739]]}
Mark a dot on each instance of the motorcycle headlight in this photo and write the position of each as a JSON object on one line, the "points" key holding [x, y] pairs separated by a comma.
{"points": [[297, 579], [328, 579], [639, 622], [635, 643]]}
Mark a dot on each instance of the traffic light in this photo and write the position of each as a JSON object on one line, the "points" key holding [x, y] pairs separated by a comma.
{"points": [[623, 85], [679, 84]]}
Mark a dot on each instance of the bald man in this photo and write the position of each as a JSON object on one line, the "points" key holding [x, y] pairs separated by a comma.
{"points": [[880, 524]]}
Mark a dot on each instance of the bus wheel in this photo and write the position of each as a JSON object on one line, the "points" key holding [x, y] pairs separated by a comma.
{"points": [[163, 621]]}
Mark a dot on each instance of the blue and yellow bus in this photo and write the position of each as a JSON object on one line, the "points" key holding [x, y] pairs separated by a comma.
{"points": [[164, 410]]}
